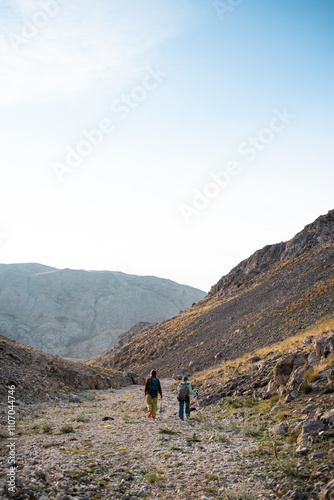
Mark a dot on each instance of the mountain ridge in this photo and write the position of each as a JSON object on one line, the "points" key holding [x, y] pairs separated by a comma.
{"points": [[77, 313], [276, 292]]}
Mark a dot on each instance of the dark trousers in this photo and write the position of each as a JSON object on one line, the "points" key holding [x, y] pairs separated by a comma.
{"points": [[181, 407]]}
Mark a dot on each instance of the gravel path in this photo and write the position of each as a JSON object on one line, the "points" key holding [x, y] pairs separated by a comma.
{"points": [[115, 451]]}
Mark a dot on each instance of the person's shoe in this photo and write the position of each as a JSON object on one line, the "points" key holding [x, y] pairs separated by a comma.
{"points": [[149, 415], [154, 418], [182, 419]]}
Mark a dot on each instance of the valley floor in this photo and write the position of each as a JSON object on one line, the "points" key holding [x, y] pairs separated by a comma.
{"points": [[70, 450]]}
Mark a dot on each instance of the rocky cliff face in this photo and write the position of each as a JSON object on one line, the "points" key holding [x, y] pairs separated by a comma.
{"points": [[317, 235], [277, 292], [78, 314]]}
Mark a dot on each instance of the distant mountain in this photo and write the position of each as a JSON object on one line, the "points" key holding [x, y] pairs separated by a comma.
{"points": [[78, 314], [276, 292]]}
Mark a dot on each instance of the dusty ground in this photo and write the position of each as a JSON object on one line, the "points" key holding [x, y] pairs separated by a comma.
{"points": [[130, 456]]}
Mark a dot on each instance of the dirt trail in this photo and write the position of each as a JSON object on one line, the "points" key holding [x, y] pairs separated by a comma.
{"points": [[130, 456]]}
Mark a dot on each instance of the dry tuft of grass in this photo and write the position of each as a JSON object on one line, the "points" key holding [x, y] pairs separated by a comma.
{"points": [[312, 374]]}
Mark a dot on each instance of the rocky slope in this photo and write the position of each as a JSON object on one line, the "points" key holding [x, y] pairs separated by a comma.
{"points": [[40, 376], [78, 314], [277, 292], [284, 399], [256, 432]]}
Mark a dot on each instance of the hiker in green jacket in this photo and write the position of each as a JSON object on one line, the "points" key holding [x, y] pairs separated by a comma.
{"points": [[184, 391], [152, 388]]}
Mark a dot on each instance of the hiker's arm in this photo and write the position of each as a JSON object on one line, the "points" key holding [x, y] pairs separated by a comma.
{"points": [[159, 389], [146, 386], [191, 391]]}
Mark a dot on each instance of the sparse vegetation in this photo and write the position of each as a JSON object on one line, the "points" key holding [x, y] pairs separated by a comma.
{"points": [[289, 468], [312, 374], [154, 476], [46, 428], [165, 430], [66, 429], [193, 438], [3, 434], [81, 417], [306, 388]]}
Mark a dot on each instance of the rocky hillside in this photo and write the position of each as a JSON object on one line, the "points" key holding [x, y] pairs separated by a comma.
{"points": [[78, 314], [278, 291], [38, 376], [261, 427], [284, 400]]}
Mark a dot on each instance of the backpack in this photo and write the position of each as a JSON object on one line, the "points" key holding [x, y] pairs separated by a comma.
{"points": [[153, 387], [183, 392]]}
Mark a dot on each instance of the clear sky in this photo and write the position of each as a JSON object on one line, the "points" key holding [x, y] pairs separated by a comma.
{"points": [[169, 138]]}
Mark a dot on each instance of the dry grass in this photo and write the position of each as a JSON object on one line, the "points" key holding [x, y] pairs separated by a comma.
{"points": [[226, 368], [327, 363], [312, 374]]}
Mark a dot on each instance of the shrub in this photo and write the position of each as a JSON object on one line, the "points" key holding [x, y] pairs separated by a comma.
{"points": [[66, 429], [306, 388], [250, 402], [166, 431], [282, 416], [221, 438], [288, 468], [252, 431], [46, 428], [81, 417], [154, 477], [274, 399]]}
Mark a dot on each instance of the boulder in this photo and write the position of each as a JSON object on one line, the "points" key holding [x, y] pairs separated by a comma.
{"points": [[324, 346], [296, 379], [282, 371], [312, 358], [310, 429], [328, 417], [279, 428], [300, 360], [327, 493], [308, 409], [135, 378]]}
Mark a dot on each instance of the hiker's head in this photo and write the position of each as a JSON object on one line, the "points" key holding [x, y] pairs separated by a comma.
{"points": [[185, 377], [153, 373]]}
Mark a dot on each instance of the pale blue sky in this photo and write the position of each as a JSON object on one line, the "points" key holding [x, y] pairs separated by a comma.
{"points": [[183, 90]]}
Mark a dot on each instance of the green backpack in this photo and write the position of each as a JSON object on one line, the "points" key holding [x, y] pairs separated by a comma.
{"points": [[153, 387]]}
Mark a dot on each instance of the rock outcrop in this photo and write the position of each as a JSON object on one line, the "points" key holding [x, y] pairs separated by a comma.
{"points": [[78, 314]]}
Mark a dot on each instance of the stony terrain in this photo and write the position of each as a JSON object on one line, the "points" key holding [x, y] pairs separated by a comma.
{"points": [[261, 427], [277, 292], [78, 314], [105, 447]]}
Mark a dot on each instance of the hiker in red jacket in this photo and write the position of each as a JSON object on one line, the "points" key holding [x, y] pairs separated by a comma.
{"points": [[152, 388]]}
